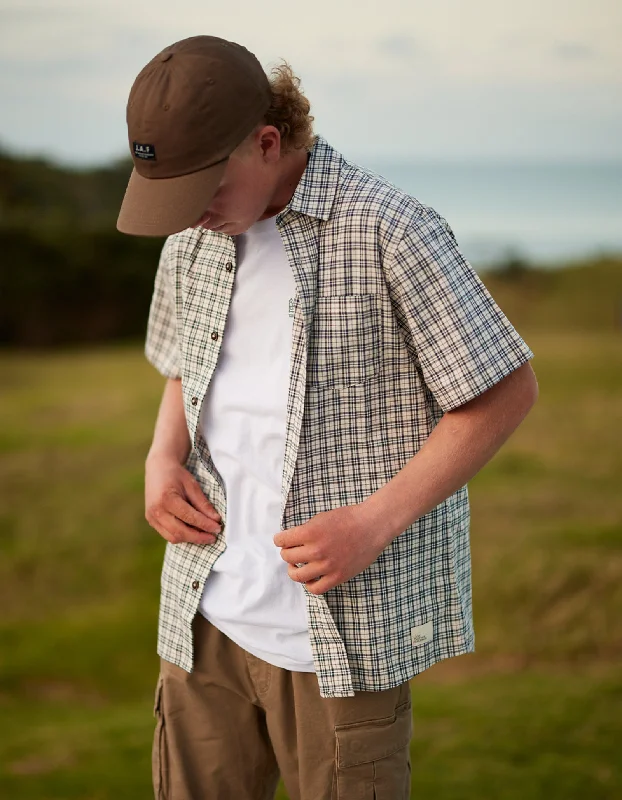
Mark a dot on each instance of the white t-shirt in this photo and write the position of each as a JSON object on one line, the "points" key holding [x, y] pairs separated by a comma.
{"points": [[249, 595]]}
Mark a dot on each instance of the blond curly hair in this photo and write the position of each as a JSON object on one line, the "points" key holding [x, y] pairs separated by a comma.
{"points": [[289, 110]]}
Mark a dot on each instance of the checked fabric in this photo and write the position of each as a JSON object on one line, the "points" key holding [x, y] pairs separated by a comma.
{"points": [[392, 328]]}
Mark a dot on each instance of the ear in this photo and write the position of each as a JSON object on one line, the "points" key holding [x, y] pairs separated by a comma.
{"points": [[270, 144]]}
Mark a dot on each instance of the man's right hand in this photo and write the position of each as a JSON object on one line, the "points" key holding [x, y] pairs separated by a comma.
{"points": [[175, 504]]}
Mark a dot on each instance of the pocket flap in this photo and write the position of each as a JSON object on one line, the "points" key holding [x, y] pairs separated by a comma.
{"points": [[361, 742]]}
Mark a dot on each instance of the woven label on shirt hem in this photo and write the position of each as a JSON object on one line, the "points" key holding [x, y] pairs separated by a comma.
{"points": [[422, 634]]}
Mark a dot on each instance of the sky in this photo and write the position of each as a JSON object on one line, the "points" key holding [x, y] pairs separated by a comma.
{"points": [[390, 81]]}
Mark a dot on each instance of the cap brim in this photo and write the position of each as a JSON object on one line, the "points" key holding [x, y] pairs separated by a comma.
{"points": [[162, 206]]}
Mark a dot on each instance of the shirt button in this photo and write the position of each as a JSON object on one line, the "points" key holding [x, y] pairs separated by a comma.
{"points": [[214, 335], [194, 401], [195, 585], [229, 267]]}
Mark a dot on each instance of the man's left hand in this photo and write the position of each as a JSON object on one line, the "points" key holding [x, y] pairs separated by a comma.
{"points": [[333, 547]]}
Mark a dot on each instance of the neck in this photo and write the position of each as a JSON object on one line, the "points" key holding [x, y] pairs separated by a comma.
{"points": [[293, 167]]}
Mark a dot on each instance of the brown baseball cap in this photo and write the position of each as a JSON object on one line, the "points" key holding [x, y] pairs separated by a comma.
{"points": [[188, 110]]}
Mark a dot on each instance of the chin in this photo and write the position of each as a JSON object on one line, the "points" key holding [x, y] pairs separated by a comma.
{"points": [[223, 227], [235, 229]]}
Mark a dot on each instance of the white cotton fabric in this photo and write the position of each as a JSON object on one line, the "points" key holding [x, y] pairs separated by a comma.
{"points": [[249, 595]]}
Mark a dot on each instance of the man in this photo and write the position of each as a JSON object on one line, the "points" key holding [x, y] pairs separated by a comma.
{"points": [[336, 373]]}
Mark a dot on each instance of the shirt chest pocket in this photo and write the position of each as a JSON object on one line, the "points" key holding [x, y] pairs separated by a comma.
{"points": [[345, 342]]}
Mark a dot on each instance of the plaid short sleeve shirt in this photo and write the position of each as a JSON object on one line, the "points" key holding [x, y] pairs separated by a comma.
{"points": [[392, 328]]}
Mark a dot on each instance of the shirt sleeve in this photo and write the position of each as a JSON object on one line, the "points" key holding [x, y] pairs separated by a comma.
{"points": [[162, 346], [460, 338]]}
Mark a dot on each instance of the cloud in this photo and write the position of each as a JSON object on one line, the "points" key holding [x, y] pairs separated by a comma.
{"points": [[398, 47], [447, 77], [575, 51]]}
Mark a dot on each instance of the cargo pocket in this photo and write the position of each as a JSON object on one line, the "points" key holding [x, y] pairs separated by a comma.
{"points": [[373, 758], [158, 760]]}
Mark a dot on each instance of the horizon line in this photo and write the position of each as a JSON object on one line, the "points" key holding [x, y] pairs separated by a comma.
{"points": [[363, 159]]}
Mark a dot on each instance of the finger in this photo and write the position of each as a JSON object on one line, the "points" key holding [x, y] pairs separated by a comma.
{"points": [[309, 572], [294, 555], [290, 538], [170, 537], [176, 531], [177, 506], [198, 498], [322, 585]]}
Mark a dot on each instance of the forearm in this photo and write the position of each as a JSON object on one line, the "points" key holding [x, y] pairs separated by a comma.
{"points": [[170, 436], [459, 446]]}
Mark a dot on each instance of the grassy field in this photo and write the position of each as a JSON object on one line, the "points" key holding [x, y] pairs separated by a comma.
{"points": [[535, 713]]}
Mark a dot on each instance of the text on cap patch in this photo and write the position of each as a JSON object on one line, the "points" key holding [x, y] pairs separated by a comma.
{"points": [[146, 151]]}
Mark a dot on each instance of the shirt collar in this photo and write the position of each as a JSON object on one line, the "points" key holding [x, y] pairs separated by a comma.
{"points": [[316, 190]]}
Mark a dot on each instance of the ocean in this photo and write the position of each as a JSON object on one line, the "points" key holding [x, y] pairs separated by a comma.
{"points": [[545, 213]]}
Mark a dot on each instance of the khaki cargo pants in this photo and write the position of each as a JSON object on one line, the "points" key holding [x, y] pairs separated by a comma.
{"points": [[227, 731]]}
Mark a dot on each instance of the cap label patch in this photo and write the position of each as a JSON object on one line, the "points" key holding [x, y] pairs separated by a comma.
{"points": [[146, 151]]}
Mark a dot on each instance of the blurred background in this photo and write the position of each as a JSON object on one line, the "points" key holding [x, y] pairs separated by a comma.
{"points": [[505, 117]]}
